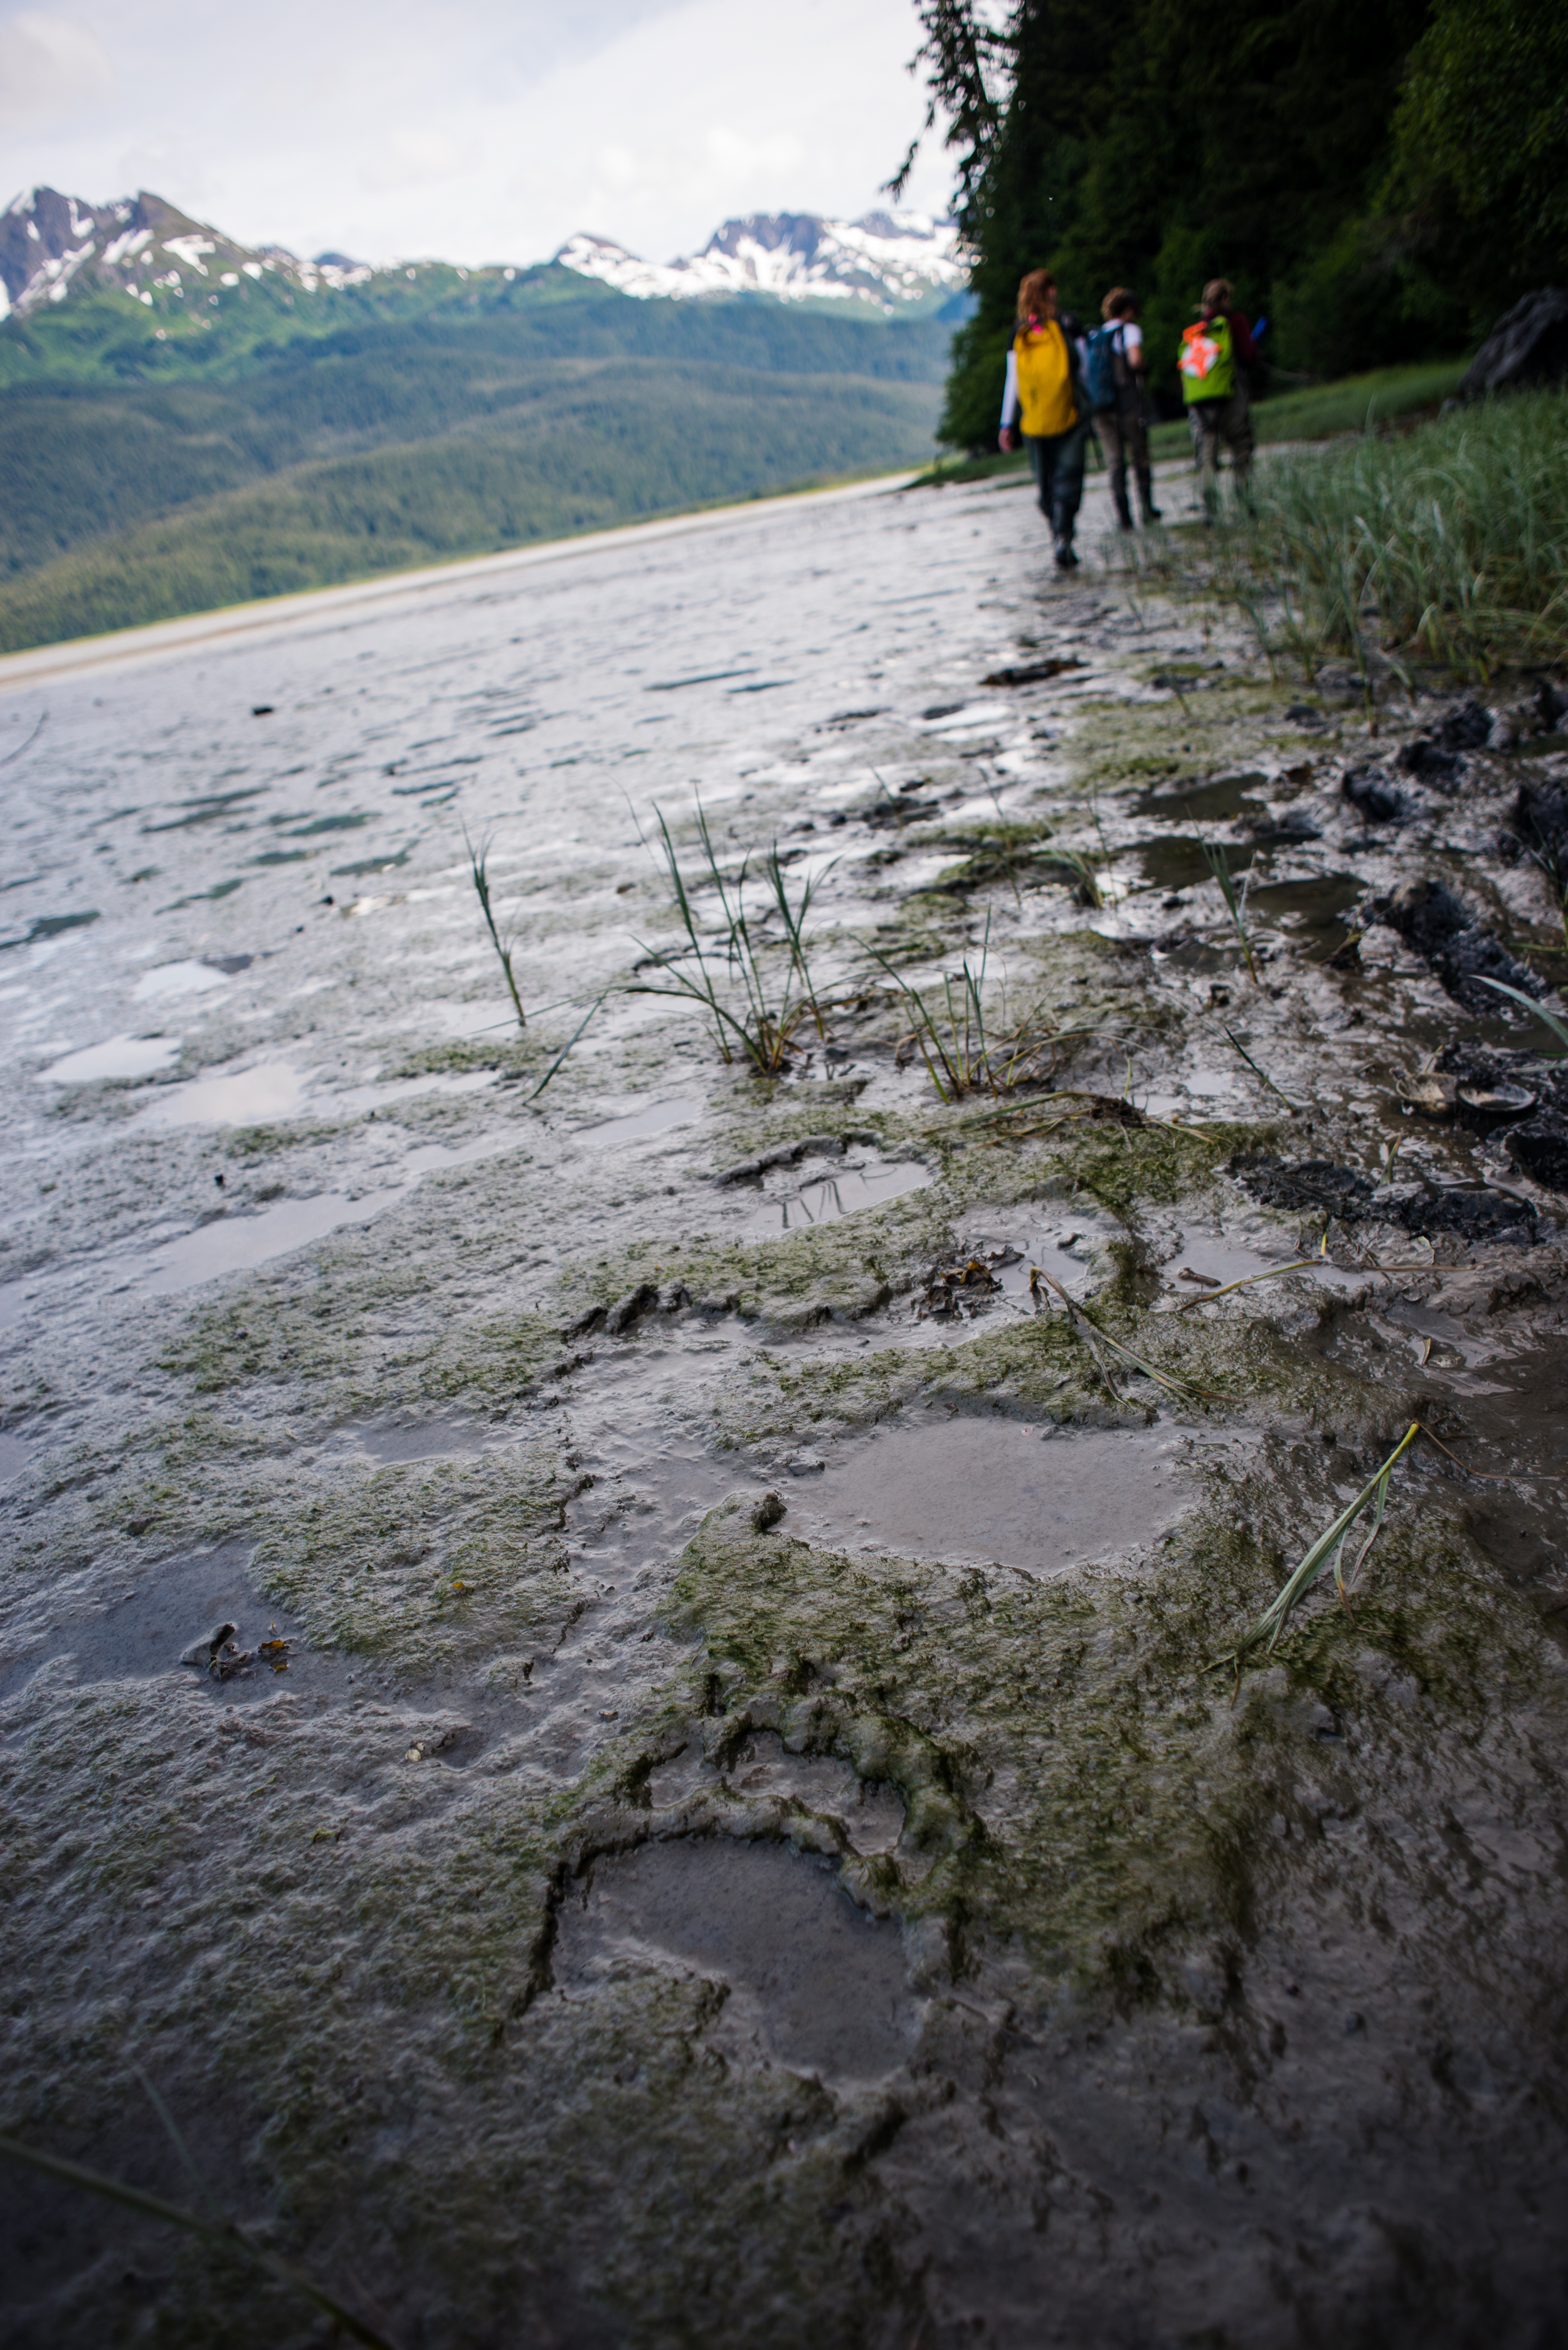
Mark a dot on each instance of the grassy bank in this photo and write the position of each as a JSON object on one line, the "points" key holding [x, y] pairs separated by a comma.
{"points": [[1448, 543]]}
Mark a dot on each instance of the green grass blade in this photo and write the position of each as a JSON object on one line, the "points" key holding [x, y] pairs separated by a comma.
{"points": [[1558, 1028], [1271, 1623]]}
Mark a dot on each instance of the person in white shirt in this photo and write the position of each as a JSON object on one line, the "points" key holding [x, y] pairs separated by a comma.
{"points": [[1122, 429]]}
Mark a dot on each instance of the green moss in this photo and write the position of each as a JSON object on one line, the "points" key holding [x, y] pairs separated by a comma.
{"points": [[1137, 1796], [345, 1339], [266, 1141], [506, 1053], [846, 1269], [429, 1567]]}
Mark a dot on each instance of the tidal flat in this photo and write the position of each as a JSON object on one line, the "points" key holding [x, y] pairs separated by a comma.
{"points": [[622, 1691]]}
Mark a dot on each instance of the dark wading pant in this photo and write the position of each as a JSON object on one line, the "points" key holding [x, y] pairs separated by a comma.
{"points": [[1056, 461], [1230, 420], [1124, 437]]}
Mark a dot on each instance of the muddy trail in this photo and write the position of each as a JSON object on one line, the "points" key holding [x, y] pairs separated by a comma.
{"points": [[619, 1694]]}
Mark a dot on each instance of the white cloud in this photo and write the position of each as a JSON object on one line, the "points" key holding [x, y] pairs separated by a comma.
{"points": [[741, 157], [49, 67], [414, 158], [645, 121]]}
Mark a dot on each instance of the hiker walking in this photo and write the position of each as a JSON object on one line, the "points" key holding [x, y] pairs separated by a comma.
{"points": [[1215, 352], [1045, 397], [1113, 367]]}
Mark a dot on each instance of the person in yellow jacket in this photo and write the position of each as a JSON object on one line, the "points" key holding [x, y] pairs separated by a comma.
{"points": [[1045, 402]]}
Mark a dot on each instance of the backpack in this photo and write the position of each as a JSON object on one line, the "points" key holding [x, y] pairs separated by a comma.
{"points": [[1100, 382], [1207, 360]]}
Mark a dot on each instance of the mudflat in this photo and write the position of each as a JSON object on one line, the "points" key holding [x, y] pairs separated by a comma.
{"points": [[627, 1688]]}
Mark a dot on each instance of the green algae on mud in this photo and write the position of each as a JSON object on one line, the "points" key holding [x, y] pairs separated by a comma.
{"points": [[335, 1915], [1138, 1801], [429, 1569]]}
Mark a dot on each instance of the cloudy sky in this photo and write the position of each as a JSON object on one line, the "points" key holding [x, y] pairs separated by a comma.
{"points": [[474, 129]]}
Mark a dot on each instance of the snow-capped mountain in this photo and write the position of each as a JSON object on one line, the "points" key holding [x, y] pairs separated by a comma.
{"points": [[183, 270], [888, 258], [139, 245]]}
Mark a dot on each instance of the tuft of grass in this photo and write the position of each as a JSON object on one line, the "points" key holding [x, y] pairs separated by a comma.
{"points": [[478, 866], [961, 1054], [1094, 1336], [1219, 865], [1449, 542], [754, 1008], [1328, 1552]]}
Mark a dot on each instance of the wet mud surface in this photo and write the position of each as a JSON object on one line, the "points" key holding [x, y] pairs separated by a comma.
{"points": [[613, 1689]]}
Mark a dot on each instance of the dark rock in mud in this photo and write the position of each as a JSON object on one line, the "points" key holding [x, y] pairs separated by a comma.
{"points": [[1468, 1215], [1369, 789], [1305, 1183], [1035, 673], [1541, 822], [1418, 1207], [1303, 714], [1430, 764], [1541, 1151], [1467, 727], [1528, 345], [767, 1512], [1446, 934]]}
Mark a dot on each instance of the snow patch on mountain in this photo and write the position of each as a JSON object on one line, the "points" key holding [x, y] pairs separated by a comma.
{"points": [[46, 240], [888, 258]]}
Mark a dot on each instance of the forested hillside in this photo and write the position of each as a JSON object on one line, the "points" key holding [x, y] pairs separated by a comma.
{"points": [[1380, 177], [141, 480]]}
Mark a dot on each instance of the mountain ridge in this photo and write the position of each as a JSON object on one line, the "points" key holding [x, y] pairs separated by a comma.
{"points": [[186, 422], [144, 250], [890, 259]]}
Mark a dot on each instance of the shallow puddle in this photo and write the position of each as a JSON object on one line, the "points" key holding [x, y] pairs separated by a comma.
{"points": [[1181, 864], [118, 1056], [179, 979], [655, 1117], [832, 1196], [995, 1491], [272, 1089], [1317, 906], [160, 1612], [813, 1983], [234, 1244], [1220, 802]]}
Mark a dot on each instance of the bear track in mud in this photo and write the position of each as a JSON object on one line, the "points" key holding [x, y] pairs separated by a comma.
{"points": [[715, 1822]]}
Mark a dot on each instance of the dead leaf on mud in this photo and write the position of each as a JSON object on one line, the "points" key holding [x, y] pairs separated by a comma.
{"points": [[954, 1291]]}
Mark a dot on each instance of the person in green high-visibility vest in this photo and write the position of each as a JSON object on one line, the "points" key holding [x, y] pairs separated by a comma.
{"points": [[1044, 396], [1215, 353]]}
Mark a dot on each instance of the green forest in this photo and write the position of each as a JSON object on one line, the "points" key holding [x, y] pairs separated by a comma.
{"points": [[1381, 179], [142, 479]]}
